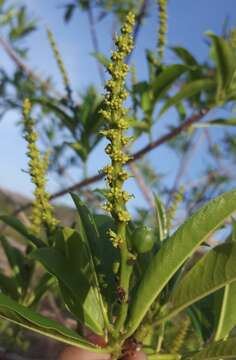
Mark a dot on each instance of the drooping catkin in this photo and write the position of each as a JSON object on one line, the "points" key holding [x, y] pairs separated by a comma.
{"points": [[162, 30], [42, 210], [59, 61], [114, 114]]}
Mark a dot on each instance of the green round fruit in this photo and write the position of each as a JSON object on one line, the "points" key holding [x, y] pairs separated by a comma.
{"points": [[143, 239]]}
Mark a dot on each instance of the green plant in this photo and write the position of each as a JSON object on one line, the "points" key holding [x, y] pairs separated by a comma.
{"points": [[127, 297]]}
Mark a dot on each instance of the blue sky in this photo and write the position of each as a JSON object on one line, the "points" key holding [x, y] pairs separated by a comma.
{"points": [[188, 21]]}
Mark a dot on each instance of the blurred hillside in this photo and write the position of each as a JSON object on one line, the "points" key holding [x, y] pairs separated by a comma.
{"points": [[12, 201]]}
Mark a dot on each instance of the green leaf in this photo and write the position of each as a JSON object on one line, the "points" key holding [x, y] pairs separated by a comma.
{"points": [[146, 102], [70, 8], [217, 122], [15, 223], [215, 270], [79, 255], [8, 286], [227, 312], [21, 266], [227, 318], [29, 319], [161, 219], [185, 56], [145, 96], [166, 79], [87, 222], [101, 58], [79, 149], [215, 351], [225, 59], [187, 91], [176, 250], [80, 296], [12, 253], [52, 105], [102, 251]]}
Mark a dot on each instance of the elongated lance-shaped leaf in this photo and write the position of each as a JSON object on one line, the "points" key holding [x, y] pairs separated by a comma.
{"points": [[11, 255], [225, 60], [187, 91], [102, 251], [175, 251], [185, 56], [215, 270], [79, 295], [227, 313], [166, 79], [8, 285], [50, 104], [227, 316], [17, 225], [101, 58], [14, 256], [161, 219], [215, 351], [89, 227], [17, 262], [90, 235], [12, 311]]}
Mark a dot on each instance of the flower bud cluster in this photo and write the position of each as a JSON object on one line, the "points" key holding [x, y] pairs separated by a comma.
{"points": [[42, 211], [114, 114]]}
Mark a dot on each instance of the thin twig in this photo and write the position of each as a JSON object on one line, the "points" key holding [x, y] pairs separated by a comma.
{"points": [[141, 184], [25, 68], [136, 156], [184, 163]]}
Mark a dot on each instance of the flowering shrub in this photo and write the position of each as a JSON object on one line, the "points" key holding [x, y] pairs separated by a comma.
{"points": [[127, 284]]}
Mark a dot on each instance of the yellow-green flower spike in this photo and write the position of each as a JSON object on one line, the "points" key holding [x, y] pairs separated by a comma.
{"points": [[114, 114], [162, 10], [181, 336], [42, 211], [59, 61]]}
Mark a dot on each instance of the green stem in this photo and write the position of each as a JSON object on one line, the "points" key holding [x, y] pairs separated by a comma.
{"points": [[222, 313], [160, 338], [125, 273]]}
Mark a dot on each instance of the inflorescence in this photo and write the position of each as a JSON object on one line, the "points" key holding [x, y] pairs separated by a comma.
{"points": [[59, 61], [42, 212], [162, 5], [114, 113]]}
